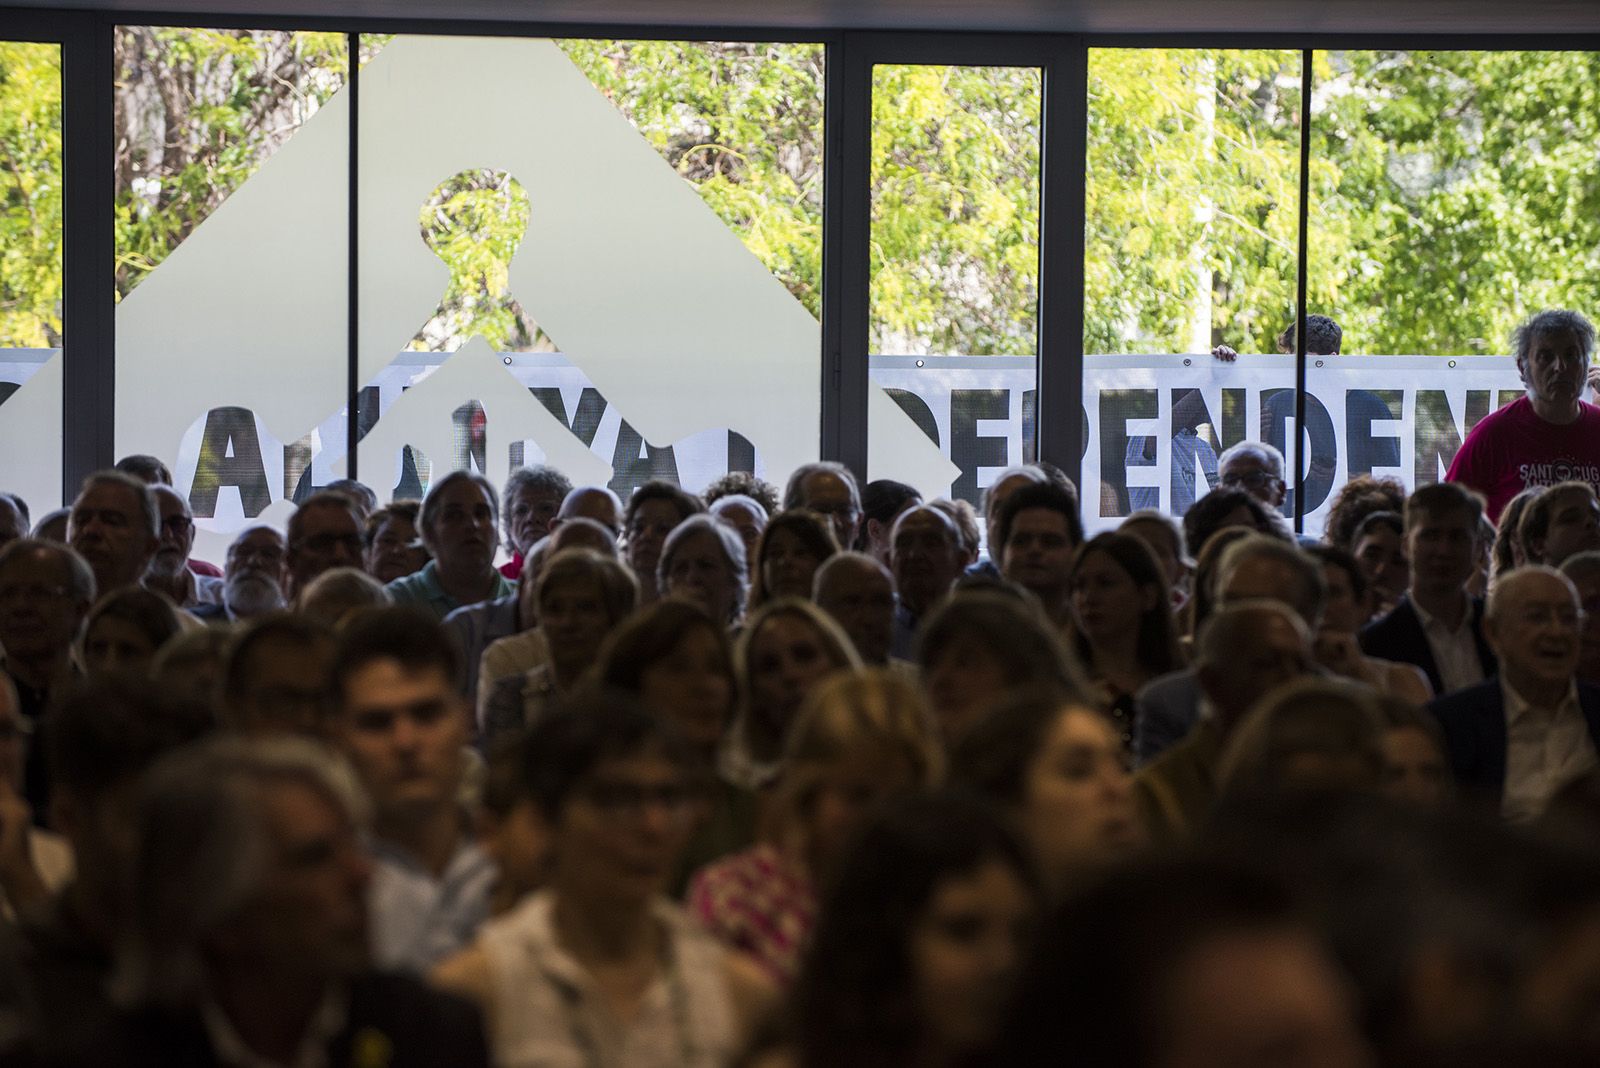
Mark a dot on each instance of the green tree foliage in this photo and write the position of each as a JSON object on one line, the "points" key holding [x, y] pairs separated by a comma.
{"points": [[30, 195]]}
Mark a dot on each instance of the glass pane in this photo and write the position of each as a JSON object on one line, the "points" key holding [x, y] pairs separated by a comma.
{"points": [[627, 288], [1453, 195], [30, 274], [232, 201], [1191, 233], [955, 273]]}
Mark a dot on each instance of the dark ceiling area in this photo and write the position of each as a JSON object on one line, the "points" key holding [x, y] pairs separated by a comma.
{"points": [[1470, 17]]}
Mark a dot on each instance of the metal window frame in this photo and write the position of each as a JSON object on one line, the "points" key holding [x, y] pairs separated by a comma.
{"points": [[88, 134]]}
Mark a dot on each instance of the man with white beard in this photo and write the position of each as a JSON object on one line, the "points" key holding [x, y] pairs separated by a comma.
{"points": [[254, 582], [168, 572]]}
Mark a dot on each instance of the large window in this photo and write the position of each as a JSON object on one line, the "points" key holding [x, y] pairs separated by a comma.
{"points": [[31, 328]]}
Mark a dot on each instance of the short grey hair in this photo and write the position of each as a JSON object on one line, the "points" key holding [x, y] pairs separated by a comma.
{"points": [[1267, 454], [1508, 582], [79, 574], [739, 500], [141, 491], [1313, 593], [541, 478], [1555, 321], [201, 850], [1229, 628], [732, 550], [161, 489]]}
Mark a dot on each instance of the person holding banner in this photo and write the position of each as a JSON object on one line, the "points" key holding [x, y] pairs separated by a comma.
{"points": [[1550, 435]]}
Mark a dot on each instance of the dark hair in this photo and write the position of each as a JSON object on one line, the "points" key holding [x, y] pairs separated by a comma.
{"points": [[1443, 497], [145, 468], [1204, 517], [759, 490], [994, 755], [686, 503], [22, 509], [1393, 521], [1102, 965], [1323, 336], [1557, 321], [108, 730], [583, 730], [1534, 523], [1045, 495], [1507, 533], [1344, 561], [151, 612], [323, 498], [297, 630], [1027, 647], [1157, 647], [882, 500], [405, 633], [436, 491], [814, 532], [404, 510], [1202, 595], [79, 573], [1356, 500], [651, 635], [359, 492], [855, 999]]}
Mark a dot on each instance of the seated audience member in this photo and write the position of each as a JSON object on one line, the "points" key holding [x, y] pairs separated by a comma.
{"points": [[34, 863], [45, 592], [1258, 469], [1583, 570], [103, 735], [1124, 633], [1310, 734], [678, 664], [1482, 560], [334, 594], [529, 503], [1163, 536], [256, 574], [1337, 645], [1247, 648], [653, 511], [703, 561], [248, 942], [926, 556], [279, 678], [13, 518], [792, 548], [115, 526], [1437, 626], [743, 483], [1416, 770], [1039, 531], [882, 501], [581, 597], [168, 572], [325, 532], [861, 739], [1550, 429], [1560, 521], [1519, 738], [784, 651], [361, 495], [1203, 590], [919, 940], [746, 516], [403, 725], [1508, 552], [53, 526], [598, 967], [965, 517], [858, 592], [394, 549], [458, 521], [1379, 547], [1252, 567], [591, 502], [1354, 501], [126, 629], [508, 828], [190, 668], [1182, 961], [1057, 768], [1225, 507], [830, 490], [1004, 485], [147, 469], [979, 644]]}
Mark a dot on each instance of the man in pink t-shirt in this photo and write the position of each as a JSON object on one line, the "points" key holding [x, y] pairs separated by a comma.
{"points": [[1551, 435]]}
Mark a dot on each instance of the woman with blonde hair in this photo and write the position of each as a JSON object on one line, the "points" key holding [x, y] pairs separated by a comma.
{"points": [[862, 738], [785, 649]]}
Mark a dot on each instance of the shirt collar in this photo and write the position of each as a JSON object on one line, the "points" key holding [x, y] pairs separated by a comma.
{"points": [[325, 1023], [1518, 706], [1432, 622]]}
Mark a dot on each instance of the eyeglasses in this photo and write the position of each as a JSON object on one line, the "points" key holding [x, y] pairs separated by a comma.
{"points": [[326, 543], [177, 524], [1252, 479]]}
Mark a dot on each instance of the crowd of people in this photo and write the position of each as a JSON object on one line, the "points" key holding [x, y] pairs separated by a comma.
{"points": [[828, 776]]}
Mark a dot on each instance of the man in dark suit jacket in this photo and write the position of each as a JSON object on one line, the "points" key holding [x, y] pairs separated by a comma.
{"points": [[249, 942], [1522, 736], [1437, 616]]}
